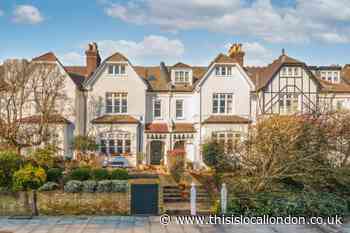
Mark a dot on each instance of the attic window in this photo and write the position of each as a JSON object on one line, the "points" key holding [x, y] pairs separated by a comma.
{"points": [[223, 71], [182, 77], [116, 70], [290, 72]]}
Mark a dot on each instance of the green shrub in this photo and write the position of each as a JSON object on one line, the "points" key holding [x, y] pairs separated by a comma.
{"points": [[119, 174], [44, 157], [73, 186], [54, 174], [9, 163], [100, 174], [29, 177], [89, 186], [49, 186], [81, 174], [289, 204], [104, 186], [119, 186]]}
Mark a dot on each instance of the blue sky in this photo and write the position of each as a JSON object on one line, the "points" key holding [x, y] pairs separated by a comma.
{"points": [[192, 31]]}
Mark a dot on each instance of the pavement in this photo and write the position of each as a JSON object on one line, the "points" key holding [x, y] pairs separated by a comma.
{"points": [[127, 224]]}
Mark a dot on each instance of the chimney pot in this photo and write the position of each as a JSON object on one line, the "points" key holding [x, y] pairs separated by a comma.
{"points": [[236, 53], [93, 58]]}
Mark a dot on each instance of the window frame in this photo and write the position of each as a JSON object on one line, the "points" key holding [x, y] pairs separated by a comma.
{"points": [[182, 110], [114, 67], [118, 100], [110, 144], [154, 101], [217, 97], [224, 70]]}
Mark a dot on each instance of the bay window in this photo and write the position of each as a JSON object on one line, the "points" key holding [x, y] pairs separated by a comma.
{"points": [[222, 103], [116, 102], [229, 139], [115, 144]]}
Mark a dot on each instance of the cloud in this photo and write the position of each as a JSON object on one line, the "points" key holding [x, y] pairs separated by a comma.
{"points": [[1, 12], [151, 47], [255, 53], [72, 58], [27, 14], [302, 22]]}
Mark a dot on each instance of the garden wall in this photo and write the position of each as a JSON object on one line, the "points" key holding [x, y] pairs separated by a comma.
{"points": [[15, 204], [61, 203]]}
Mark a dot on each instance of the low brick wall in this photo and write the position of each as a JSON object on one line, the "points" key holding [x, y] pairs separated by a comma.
{"points": [[15, 204], [61, 203]]}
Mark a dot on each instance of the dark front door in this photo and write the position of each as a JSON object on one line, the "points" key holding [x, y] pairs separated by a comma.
{"points": [[144, 199], [157, 151]]}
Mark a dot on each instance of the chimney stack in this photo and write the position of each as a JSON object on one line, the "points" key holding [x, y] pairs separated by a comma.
{"points": [[236, 53], [93, 59]]}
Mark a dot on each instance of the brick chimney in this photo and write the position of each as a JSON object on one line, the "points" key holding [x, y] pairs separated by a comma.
{"points": [[237, 53], [93, 58]]}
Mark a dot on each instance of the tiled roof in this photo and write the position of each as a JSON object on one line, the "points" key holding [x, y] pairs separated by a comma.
{"points": [[48, 57], [156, 128], [226, 119], [163, 128], [115, 119], [183, 128], [327, 87], [159, 81], [261, 76], [181, 65], [117, 57], [345, 73], [77, 73], [37, 119]]}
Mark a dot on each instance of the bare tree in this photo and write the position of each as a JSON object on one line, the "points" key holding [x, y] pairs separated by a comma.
{"points": [[31, 99]]}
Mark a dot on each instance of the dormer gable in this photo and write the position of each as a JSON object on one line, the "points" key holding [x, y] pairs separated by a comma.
{"points": [[181, 74]]}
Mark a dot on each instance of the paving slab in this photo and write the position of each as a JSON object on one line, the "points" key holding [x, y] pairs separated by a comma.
{"points": [[129, 224]]}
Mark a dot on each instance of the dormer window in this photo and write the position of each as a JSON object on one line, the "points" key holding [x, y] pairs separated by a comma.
{"points": [[116, 69], [290, 72], [183, 76], [223, 71]]}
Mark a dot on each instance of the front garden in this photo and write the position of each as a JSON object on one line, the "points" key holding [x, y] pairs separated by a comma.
{"points": [[295, 165], [46, 184]]}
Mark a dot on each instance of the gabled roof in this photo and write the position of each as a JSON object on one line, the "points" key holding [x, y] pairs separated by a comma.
{"points": [[77, 73], [261, 76], [117, 57], [328, 87], [222, 58], [181, 65], [47, 57]]}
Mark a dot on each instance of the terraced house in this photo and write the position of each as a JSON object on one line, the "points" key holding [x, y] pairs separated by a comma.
{"points": [[141, 112]]}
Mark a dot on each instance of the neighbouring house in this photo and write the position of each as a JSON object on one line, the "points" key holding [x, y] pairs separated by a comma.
{"points": [[137, 110]]}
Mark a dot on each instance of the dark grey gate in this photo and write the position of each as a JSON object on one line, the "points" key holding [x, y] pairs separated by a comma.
{"points": [[144, 199], [157, 152]]}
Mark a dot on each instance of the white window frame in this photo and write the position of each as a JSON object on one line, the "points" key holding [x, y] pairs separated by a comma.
{"points": [[287, 103], [226, 136], [182, 76], [182, 110], [223, 70], [116, 69], [112, 148], [291, 71], [119, 100], [219, 97], [155, 100]]}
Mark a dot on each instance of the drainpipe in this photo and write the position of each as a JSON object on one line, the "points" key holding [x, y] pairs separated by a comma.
{"points": [[200, 126]]}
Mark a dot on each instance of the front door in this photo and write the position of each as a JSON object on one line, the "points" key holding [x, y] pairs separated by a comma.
{"points": [[157, 152]]}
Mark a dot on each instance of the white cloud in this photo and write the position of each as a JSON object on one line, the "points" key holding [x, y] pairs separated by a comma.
{"points": [[255, 54], [150, 47], [1, 12], [307, 20], [72, 58], [27, 14]]}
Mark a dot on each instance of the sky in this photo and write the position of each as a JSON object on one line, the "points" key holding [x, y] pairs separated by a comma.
{"points": [[191, 31]]}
